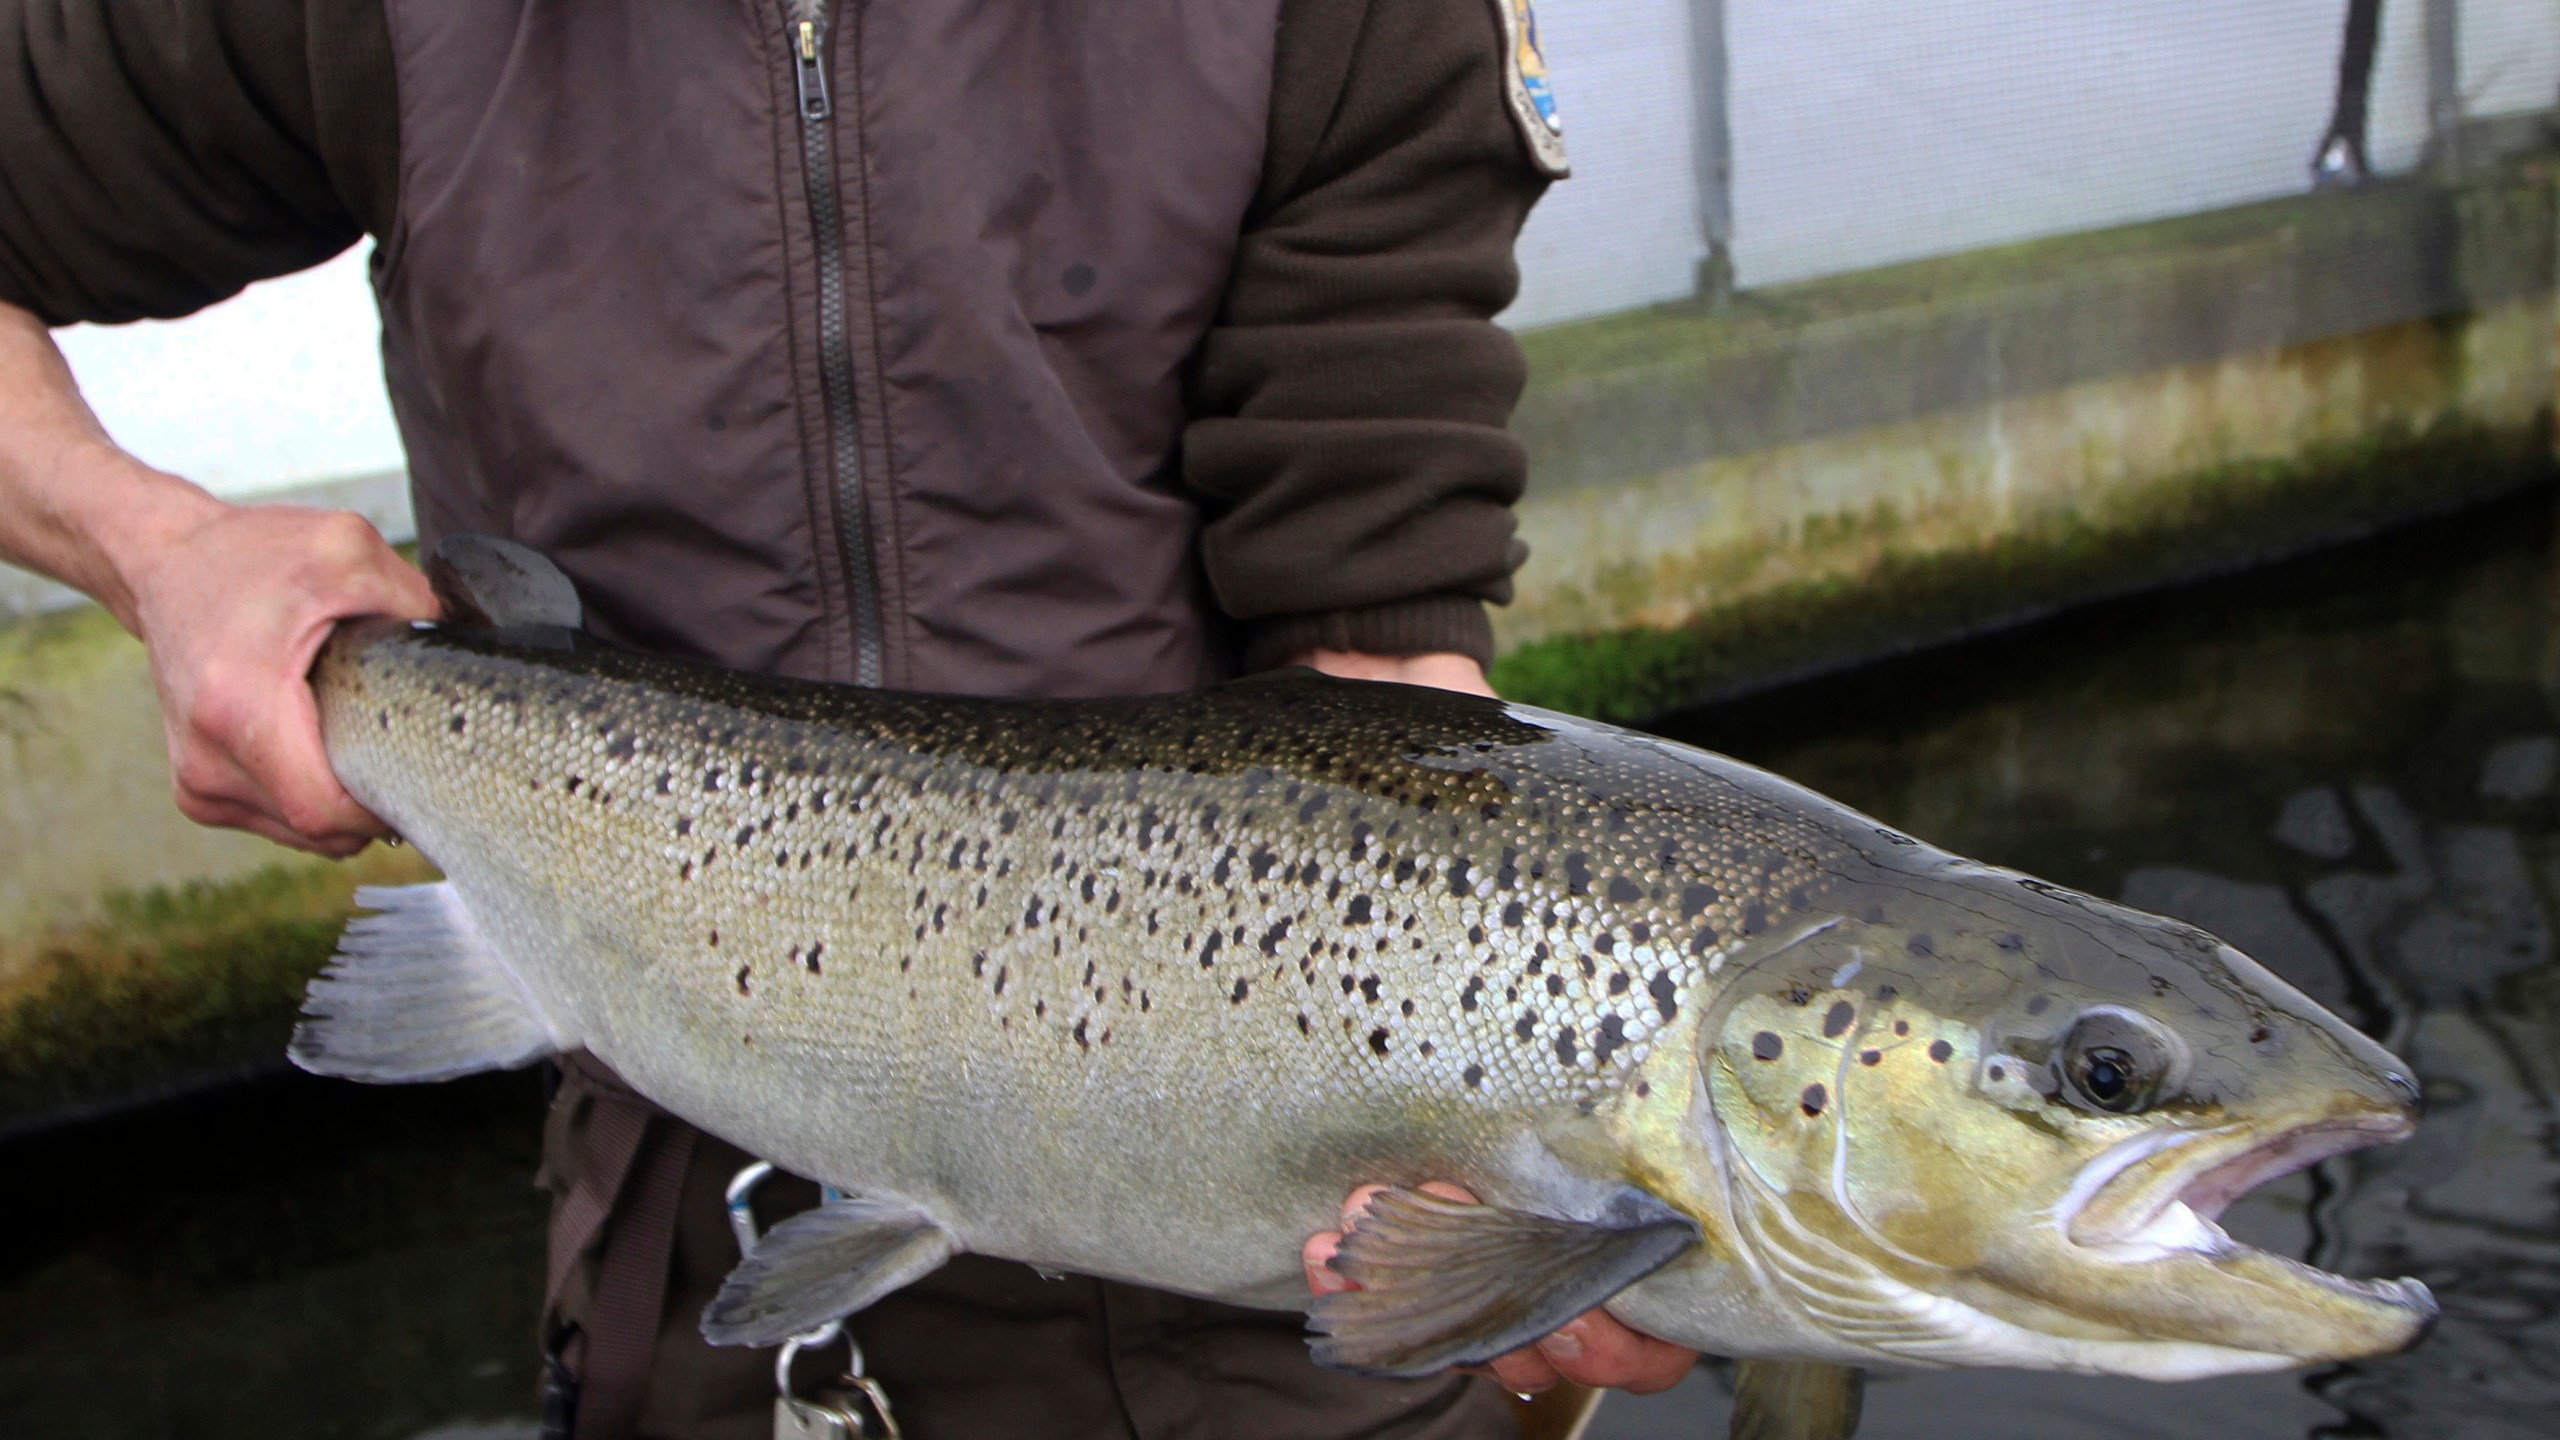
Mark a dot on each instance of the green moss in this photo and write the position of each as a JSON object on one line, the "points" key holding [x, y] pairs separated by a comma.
{"points": [[2208, 521], [39, 652], [172, 985]]}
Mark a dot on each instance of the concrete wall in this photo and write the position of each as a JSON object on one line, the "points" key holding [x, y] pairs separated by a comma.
{"points": [[1836, 469]]}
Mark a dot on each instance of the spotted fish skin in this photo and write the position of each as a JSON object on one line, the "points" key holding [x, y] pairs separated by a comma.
{"points": [[1142, 988], [815, 918]]}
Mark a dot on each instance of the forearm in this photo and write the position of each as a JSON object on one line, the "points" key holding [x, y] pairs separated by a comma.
{"points": [[72, 505]]}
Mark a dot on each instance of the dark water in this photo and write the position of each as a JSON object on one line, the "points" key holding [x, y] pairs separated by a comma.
{"points": [[2349, 766]]}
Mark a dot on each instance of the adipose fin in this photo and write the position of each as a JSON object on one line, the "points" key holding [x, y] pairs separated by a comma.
{"points": [[491, 584]]}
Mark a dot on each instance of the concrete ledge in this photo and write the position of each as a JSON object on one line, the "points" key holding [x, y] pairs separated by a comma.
{"points": [[1838, 469]]}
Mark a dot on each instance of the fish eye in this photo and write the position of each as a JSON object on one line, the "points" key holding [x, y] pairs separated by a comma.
{"points": [[2118, 1062]]}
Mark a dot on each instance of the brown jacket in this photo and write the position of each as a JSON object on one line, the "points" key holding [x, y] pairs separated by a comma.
{"points": [[1151, 279], [1004, 345]]}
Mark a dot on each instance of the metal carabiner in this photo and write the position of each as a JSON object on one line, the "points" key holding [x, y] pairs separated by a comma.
{"points": [[854, 1407]]}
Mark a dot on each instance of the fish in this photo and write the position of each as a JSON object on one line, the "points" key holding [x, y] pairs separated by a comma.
{"points": [[1143, 987]]}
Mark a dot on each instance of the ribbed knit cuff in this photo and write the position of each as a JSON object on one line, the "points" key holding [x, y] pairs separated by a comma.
{"points": [[1426, 626]]}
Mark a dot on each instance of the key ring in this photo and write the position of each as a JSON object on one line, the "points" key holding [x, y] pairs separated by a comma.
{"points": [[866, 1402]]}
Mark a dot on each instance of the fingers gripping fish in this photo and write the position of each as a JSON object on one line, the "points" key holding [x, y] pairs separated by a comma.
{"points": [[1142, 988]]}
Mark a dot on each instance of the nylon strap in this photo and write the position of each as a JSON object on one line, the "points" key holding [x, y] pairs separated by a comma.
{"points": [[628, 1191]]}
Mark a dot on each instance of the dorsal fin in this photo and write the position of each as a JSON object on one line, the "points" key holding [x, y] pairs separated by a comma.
{"points": [[491, 584]]}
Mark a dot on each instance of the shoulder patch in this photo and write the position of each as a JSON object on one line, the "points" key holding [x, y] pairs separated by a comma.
{"points": [[1532, 100]]}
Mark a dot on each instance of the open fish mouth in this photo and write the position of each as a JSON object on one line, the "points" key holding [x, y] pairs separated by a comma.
{"points": [[2161, 1194]]}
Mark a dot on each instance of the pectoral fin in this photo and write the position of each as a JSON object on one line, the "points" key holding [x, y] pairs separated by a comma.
{"points": [[1796, 1400], [1447, 1283], [824, 1264]]}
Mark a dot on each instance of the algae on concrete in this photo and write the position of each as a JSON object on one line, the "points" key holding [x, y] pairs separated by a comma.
{"points": [[2198, 524], [172, 987]]}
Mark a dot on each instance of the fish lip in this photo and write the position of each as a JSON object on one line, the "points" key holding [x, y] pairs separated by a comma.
{"points": [[2125, 1193], [2128, 1208]]}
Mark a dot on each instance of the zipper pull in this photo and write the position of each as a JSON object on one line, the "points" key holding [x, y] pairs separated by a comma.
{"points": [[812, 74]]}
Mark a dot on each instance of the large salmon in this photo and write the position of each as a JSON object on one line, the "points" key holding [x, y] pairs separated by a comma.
{"points": [[1142, 988]]}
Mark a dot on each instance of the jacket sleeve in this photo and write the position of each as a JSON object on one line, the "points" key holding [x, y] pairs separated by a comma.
{"points": [[1349, 404], [162, 154]]}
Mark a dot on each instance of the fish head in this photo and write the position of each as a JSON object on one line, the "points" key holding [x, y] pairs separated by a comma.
{"points": [[1971, 1118]]}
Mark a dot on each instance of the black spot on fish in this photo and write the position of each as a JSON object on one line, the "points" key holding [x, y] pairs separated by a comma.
{"points": [[1612, 1034], [1271, 938], [1357, 912], [1921, 945], [1666, 995], [1474, 1076], [811, 959], [1618, 982], [1459, 883], [1404, 871], [1940, 1051], [1885, 994], [458, 724], [1467, 996], [1604, 942], [1514, 913], [1304, 1027], [1555, 984], [1798, 995], [1901, 1027], [1623, 891], [1525, 1026], [1767, 1046], [1694, 899], [1577, 873], [1703, 941], [1815, 1097], [1369, 989], [1755, 918], [1836, 1020], [1262, 860], [1003, 974], [742, 978], [1998, 1074], [1082, 1043], [1209, 949], [1565, 1048], [1236, 996], [2039, 1004], [1406, 1007], [1378, 1040], [2012, 943]]}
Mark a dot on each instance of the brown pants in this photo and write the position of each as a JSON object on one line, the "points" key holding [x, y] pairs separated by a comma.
{"points": [[981, 1348]]}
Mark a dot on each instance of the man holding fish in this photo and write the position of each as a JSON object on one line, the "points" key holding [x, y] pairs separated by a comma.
{"points": [[804, 358]]}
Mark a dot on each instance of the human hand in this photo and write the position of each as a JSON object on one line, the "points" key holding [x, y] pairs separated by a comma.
{"points": [[1445, 670], [233, 603], [1592, 1349]]}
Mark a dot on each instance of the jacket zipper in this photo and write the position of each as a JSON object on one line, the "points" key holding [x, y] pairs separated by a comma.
{"points": [[808, 39]]}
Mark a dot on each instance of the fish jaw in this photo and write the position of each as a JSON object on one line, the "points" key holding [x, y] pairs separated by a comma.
{"points": [[2149, 1206]]}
